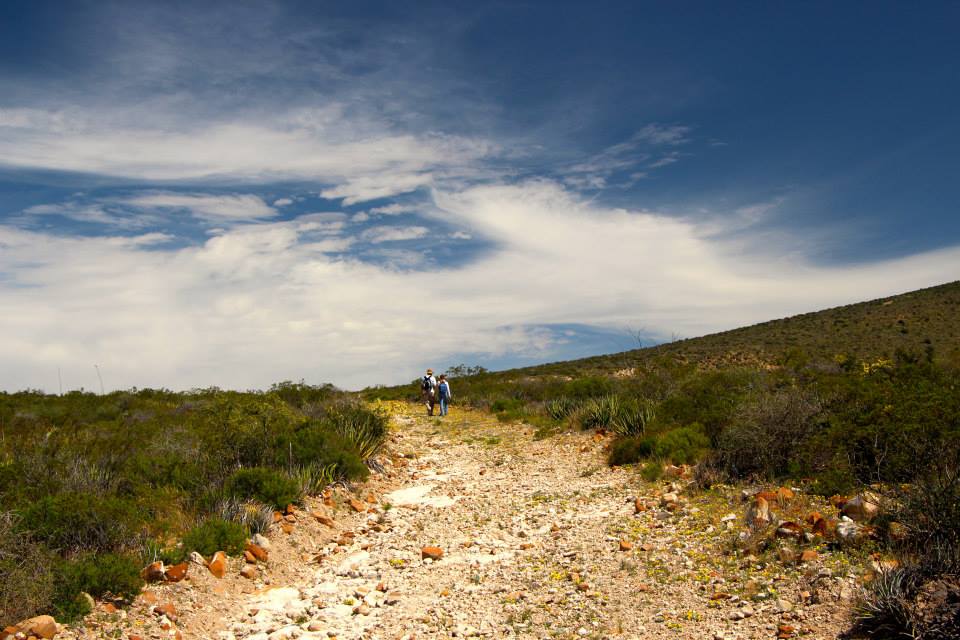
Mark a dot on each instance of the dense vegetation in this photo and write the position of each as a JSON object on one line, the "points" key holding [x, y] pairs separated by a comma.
{"points": [[92, 488], [863, 394]]}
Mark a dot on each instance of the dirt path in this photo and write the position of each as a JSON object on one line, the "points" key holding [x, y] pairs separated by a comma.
{"points": [[540, 539]]}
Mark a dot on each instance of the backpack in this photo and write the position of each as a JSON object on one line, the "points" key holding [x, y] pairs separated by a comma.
{"points": [[425, 384]]}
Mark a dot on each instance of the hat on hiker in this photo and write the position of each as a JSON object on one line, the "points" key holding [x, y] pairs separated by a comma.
{"points": [[430, 371]]}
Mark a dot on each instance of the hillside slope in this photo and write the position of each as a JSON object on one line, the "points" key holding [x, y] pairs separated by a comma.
{"points": [[913, 322]]}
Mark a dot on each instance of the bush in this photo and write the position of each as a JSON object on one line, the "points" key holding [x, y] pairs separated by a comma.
{"points": [[771, 433], [364, 429], [266, 485], [682, 446], [630, 450], [105, 574], [26, 576], [71, 522], [316, 444], [216, 534]]}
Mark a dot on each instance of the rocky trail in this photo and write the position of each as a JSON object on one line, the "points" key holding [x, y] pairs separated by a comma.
{"points": [[476, 528]]}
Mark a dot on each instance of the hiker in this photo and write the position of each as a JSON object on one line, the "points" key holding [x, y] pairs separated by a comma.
{"points": [[443, 390], [428, 390]]}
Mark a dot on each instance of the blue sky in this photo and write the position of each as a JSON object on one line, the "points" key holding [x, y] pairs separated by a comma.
{"points": [[243, 193]]}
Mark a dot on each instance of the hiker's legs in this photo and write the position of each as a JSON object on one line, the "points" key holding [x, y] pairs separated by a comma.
{"points": [[443, 406]]}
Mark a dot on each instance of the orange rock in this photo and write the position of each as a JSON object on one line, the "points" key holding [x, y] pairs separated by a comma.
{"points": [[759, 513], [639, 506], [290, 518], [526, 545], [286, 527], [249, 572], [785, 494], [108, 607], [218, 564], [324, 520], [813, 517], [153, 572], [770, 496], [434, 553], [166, 609], [134, 637], [40, 626], [785, 631], [809, 555], [625, 545], [824, 527], [148, 597], [249, 557], [372, 499], [357, 506], [290, 510], [277, 516], [177, 572], [257, 551]]}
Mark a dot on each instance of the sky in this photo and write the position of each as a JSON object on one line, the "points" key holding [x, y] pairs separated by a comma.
{"points": [[236, 194]]}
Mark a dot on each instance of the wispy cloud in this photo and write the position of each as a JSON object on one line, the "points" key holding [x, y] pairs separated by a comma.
{"points": [[214, 208], [377, 235]]}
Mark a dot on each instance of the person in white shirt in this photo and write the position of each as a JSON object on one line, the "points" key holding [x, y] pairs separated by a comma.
{"points": [[428, 391]]}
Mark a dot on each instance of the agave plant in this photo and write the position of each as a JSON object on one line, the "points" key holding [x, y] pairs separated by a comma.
{"points": [[599, 413], [365, 428], [632, 418], [560, 408]]}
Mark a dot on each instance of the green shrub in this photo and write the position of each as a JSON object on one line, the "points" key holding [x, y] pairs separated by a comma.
{"points": [[26, 575], [508, 409], [266, 485], [587, 387], [652, 471], [104, 574], [772, 432], [71, 522], [682, 446], [316, 444], [630, 450], [216, 534]]}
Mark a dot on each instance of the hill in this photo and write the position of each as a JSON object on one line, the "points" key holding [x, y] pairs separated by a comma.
{"points": [[913, 322]]}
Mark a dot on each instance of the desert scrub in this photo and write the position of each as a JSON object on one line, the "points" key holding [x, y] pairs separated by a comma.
{"points": [[70, 522], [266, 485], [215, 534], [105, 574], [26, 572], [630, 450], [599, 413], [365, 429]]}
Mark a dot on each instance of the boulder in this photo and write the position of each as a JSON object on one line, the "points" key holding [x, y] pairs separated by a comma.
{"points": [[863, 507], [625, 545], [196, 558], [257, 551], [177, 572], [434, 553], [789, 530], [758, 514], [40, 627], [357, 506], [153, 572], [218, 564], [249, 572]]}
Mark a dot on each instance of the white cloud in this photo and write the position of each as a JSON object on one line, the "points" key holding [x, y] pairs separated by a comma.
{"points": [[395, 209], [376, 235], [262, 302], [218, 208], [282, 202]]}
